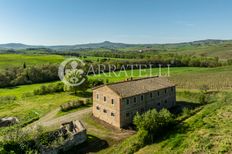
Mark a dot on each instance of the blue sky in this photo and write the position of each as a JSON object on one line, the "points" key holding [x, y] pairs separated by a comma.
{"points": [[53, 22]]}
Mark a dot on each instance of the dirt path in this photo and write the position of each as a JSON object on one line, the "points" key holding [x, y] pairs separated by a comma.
{"points": [[104, 132], [50, 119], [48, 116]]}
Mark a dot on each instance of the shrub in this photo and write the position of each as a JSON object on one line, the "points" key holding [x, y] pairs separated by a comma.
{"points": [[22, 142], [18, 141], [204, 98], [153, 121], [96, 82], [72, 105], [27, 94], [51, 88], [7, 99], [88, 101]]}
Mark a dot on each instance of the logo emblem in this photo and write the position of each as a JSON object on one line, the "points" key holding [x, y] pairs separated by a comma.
{"points": [[71, 72]]}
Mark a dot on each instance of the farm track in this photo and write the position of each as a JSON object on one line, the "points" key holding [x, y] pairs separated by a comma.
{"points": [[50, 119]]}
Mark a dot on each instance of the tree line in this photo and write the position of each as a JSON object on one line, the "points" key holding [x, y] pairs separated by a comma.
{"points": [[170, 58], [49, 72], [27, 75]]}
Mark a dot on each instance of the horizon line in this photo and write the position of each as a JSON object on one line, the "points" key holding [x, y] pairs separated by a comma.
{"points": [[178, 42]]}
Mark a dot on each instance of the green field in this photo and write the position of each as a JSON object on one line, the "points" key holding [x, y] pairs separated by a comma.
{"points": [[13, 60], [17, 60], [218, 78]]}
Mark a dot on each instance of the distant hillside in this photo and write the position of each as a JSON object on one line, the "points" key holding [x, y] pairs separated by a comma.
{"points": [[14, 46], [105, 44], [211, 48], [111, 45]]}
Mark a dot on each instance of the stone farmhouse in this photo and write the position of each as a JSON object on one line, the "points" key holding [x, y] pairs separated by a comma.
{"points": [[117, 103]]}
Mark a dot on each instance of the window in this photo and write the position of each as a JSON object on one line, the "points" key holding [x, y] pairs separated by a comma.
{"points": [[158, 104], [112, 101], [172, 89], [97, 96], [104, 98], [134, 99], [112, 114], [141, 97], [127, 101], [98, 108], [166, 101], [105, 111], [158, 93], [142, 110], [165, 91], [151, 94]]}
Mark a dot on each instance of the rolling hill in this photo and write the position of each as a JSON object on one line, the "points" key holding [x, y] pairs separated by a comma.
{"points": [[112, 45], [209, 48]]}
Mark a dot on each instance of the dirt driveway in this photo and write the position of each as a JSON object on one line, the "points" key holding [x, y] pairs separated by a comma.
{"points": [[51, 120], [94, 127]]}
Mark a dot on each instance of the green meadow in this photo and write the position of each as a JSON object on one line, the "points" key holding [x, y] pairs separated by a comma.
{"points": [[16, 60]]}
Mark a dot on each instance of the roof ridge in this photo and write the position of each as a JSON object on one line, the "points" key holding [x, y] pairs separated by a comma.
{"points": [[128, 88], [137, 79]]}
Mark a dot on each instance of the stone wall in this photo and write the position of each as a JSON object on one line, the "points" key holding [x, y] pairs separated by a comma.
{"points": [[78, 136], [124, 109], [105, 109], [163, 98]]}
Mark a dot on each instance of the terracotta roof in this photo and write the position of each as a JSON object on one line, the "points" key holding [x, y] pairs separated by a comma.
{"points": [[139, 86]]}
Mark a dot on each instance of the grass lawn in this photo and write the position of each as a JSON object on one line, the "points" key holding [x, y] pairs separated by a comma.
{"points": [[35, 105], [19, 91]]}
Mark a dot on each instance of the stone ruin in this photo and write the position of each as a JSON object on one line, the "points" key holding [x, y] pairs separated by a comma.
{"points": [[78, 135]]}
